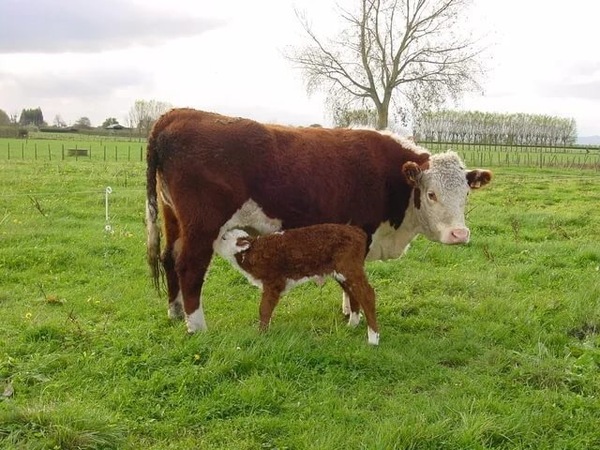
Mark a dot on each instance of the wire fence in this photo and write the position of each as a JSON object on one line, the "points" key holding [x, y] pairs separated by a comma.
{"points": [[50, 150], [496, 155], [483, 155]]}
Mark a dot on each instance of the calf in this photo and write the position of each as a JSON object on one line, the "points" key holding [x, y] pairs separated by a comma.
{"points": [[277, 262]]}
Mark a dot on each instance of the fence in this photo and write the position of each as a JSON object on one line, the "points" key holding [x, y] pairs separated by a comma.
{"points": [[483, 155], [55, 150], [579, 157]]}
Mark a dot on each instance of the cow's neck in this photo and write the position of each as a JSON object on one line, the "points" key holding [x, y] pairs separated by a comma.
{"points": [[388, 242]]}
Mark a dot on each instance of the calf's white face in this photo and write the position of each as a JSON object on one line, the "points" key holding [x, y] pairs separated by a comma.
{"points": [[229, 244], [440, 196]]}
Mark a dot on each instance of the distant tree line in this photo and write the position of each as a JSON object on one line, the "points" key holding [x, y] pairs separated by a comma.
{"points": [[32, 116], [140, 120], [477, 127]]}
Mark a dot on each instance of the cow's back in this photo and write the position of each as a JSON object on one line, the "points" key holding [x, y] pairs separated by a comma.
{"points": [[301, 176]]}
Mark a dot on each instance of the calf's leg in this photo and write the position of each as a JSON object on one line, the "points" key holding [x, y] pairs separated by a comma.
{"points": [[360, 291], [270, 297], [346, 310]]}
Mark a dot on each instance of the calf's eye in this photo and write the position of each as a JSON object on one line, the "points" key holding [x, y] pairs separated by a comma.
{"points": [[431, 196]]}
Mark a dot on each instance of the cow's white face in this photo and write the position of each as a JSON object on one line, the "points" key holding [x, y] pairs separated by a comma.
{"points": [[440, 196]]}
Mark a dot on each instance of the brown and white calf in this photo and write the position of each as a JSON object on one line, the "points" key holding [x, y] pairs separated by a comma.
{"points": [[277, 262]]}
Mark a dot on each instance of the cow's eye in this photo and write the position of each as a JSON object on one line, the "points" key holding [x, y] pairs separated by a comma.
{"points": [[431, 196]]}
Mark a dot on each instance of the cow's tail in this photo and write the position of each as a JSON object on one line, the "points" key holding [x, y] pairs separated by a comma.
{"points": [[152, 228]]}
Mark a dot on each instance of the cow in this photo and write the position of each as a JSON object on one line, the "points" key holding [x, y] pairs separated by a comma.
{"points": [[208, 173], [279, 261]]}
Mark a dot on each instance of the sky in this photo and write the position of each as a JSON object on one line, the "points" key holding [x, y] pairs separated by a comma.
{"points": [[95, 59]]}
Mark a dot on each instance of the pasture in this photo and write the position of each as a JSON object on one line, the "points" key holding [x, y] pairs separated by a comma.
{"points": [[490, 345]]}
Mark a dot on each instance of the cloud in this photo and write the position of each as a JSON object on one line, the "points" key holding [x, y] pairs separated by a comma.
{"points": [[58, 26], [579, 80], [586, 90], [81, 84]]}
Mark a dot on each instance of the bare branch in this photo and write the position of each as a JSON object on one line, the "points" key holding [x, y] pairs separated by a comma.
{"points": [[406, 52]]}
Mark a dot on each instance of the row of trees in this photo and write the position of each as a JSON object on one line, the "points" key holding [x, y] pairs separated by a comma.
{"points": [[494, 128], [141, 117]]}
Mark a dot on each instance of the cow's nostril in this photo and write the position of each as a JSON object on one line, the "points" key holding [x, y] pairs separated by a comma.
{"points": [[460, 233]]}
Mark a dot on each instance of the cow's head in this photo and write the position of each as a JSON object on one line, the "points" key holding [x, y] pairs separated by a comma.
{"points": [[440, 194]]}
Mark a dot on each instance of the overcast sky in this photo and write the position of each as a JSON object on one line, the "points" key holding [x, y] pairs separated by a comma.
{"points": [[95, 58]]}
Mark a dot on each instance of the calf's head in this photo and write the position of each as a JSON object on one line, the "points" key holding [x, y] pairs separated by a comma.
{"points": [[232, 242], [440, 190]]}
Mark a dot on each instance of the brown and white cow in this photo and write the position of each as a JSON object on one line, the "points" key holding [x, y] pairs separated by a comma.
{"points": [[210, 173], [278, 261]]}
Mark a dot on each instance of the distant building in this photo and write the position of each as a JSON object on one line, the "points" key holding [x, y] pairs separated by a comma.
{"points": [[115, 126]]}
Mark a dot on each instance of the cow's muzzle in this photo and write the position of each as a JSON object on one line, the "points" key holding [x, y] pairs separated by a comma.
{"points": [[457, 236]]}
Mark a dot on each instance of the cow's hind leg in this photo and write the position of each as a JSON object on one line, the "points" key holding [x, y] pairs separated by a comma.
{"points": [[192, 264], [169, 256]]}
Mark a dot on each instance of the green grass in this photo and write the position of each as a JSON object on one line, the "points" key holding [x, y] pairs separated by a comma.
{"points": [[490, 345], [99, 148]]}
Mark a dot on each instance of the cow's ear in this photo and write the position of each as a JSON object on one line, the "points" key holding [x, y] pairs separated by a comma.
{"points": [[412, 172], [242, 244], [478, 178]]}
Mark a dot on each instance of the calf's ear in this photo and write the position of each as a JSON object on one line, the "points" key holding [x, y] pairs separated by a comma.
{"points": [[478, 178], [243, 243], [412, 172]]}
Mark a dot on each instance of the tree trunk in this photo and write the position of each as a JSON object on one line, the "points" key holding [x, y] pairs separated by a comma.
{"points": [[382, 117]]}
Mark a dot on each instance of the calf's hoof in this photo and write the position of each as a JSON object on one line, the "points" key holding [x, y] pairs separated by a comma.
{"points": [[373, 337], [354, 319]]}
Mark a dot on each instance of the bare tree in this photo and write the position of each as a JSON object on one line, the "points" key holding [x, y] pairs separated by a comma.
{"points": [[406, 54], [144, 113], [59, 122]]}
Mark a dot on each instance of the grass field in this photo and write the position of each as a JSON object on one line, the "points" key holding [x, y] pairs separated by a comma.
{"points": [[490, 345]]}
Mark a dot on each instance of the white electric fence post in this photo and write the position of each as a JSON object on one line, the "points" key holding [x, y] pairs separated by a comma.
{"points": [[107, 192]]}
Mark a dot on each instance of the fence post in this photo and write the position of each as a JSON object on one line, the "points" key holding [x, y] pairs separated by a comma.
{"points": [[49, 153]]}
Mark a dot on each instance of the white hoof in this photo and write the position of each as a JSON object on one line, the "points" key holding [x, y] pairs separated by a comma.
{"points": [[176, 308], [195, 321], [354, 319], [175, 311], [346, 305], [373, 337]]}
